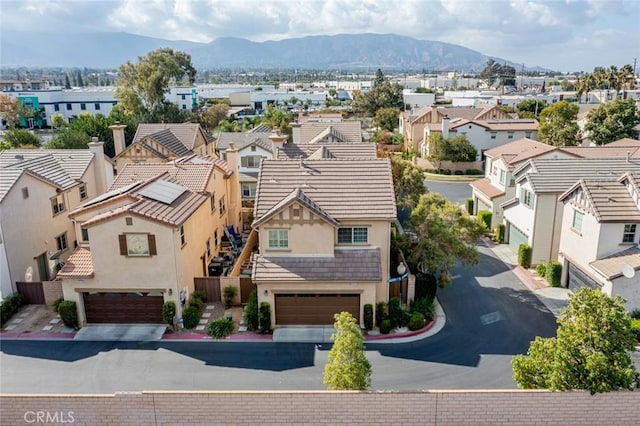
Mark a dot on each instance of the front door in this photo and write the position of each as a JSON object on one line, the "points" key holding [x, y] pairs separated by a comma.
{"points": [[43, 267]]}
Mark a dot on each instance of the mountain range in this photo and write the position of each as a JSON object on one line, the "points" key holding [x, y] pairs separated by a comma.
{"points": [[343, 51]]}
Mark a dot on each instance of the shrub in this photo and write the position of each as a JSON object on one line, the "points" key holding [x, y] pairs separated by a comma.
{"points": [[381, 312], [190, 317], [168, 312], [469, 205], [424, 306], [524, 255], [17, 300], [406, 317], [417, 321], [264, 317], [69, 313], [196, 303], [251, 311], [395, 313], [368, 316], [554, 273], [6, 312], [200, 294], [499, 233], [635, 327], [220, 328], [541, 269], [458, 173], [385, 326], [229, 293], [446, 171], [56, 304], [474, 172], [635, 314], [484, 218]]}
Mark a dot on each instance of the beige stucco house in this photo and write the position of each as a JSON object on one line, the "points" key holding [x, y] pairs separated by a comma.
{"points": [[161, 142], [326, 128], [146, 239], [324, 228], [38, 187], [600, 236]]}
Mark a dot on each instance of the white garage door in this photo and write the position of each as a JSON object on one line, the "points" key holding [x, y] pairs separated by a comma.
{"points": [[516, 237]]}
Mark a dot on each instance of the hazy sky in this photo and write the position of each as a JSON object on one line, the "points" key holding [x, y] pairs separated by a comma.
{"points": [[558, 34]]}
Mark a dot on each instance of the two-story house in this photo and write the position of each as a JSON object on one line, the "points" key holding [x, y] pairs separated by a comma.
{"points": [[324, 228], [326, 129], [161, 142], [600, 236], [146, 239], [534, 216], [38, 187]]}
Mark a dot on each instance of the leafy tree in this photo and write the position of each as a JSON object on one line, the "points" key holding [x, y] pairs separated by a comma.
{"points": [[67, 83], [141, 87], [612, 121], [69, 138], [591, 351], [387, 118], [348, 367], [274, 117], [212, 116], [383, 94], [423, 90], [20, 138], [9, 110], [442, 234], [494, 71], [379, 79], [530, 108], [408, 182], [558, 124], [229, 126], [58, 121], [458, 149]]}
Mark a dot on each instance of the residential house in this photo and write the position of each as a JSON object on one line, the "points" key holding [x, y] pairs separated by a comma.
{"points": [[319, 151], [534, 215], [326, 129], [161, 142], [324, 230], [38, 187], [599, 242], [146, 239]]}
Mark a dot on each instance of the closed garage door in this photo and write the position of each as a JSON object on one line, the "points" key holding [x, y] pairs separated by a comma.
{"points": [[578, 279], [516, 237], [125, 308], [314, 309], [483, 206]]}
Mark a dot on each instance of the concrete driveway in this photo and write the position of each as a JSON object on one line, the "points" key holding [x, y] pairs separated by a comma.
{"points": [[121, 332], [302, 334]]}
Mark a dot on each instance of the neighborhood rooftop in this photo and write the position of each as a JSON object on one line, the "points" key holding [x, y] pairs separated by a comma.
{"points": [[332, 150], [186, 133]]}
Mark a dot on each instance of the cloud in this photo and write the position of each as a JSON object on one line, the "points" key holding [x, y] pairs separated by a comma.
{"points": [[522, 30]]}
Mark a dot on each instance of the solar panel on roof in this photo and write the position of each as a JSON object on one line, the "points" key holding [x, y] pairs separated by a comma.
{"points": [[163, 191]]}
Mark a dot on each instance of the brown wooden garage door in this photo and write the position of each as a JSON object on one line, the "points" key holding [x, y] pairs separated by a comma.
{"points": [[314, 309], [125, 308]]}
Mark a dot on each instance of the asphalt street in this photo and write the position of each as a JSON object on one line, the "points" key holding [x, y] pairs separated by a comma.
{"points": [[456, 192], [490, 317]]}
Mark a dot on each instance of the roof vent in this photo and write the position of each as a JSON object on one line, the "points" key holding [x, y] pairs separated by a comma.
{"points": [[19, 157]]}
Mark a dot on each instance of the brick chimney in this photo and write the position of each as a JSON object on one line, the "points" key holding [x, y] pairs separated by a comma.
{"points": [[277, 140], [119, 143], [100, 166]]}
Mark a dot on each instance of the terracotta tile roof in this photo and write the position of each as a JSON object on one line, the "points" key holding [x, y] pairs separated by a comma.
{"points": [[186, 133], [332, 150], [485, 187], [507, 125], [345, 131], [194, 176], [518, 151], [78, 265], [344, 188], [620, 149], [346, 265], [611, 266]]}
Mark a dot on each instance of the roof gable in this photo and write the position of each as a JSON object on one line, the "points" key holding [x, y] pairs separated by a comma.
{"points": [[297, 196]]}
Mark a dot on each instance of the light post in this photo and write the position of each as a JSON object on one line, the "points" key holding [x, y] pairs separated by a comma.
{"points": [[401, 269]]}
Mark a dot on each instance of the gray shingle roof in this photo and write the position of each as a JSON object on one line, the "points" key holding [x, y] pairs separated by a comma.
{"points": [[609, 201], [169, 140], [318, 151], [244, 139], [557, 175], [186, 133], [345, 265], [344, 188]]}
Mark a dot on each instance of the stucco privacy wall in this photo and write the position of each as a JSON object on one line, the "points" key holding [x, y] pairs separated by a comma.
{"points": [[402, 408]]}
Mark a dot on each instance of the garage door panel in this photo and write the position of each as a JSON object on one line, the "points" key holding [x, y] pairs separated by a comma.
{"points": [[578, 279], [516, 237], [123, 308], [314, 309]]}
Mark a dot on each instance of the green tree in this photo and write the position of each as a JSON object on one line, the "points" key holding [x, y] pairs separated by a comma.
{"points": [[67, 83], [612, 121], [69, 138], [491, 72], [383, 94], [387, 118], [458, 149], [441, 235], [58, 121], [408, 182], [558, 124], [274, 117], [20, 138], [141, 87], [590, 352], [212, 116], [531, 108], [229, 126], [9, 110], [348, 367]]}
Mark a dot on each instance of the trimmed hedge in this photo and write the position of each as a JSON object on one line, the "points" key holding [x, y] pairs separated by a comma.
{"points": [[264, 317], [524, 255], [199, 294], [68, 311], [381, 312], [385, 326], [368, 316], [395, 312], [541, 269], [554, 273], [416, 322], [469, 205], [168, 312], [499, 233], [251, 311], [484, 218], [9, 307], [423, 306], [635, 327], [191, 316], [220, 328]]}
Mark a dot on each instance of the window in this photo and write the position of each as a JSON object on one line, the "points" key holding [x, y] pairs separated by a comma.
{"points": [[83, 191], [353, 235], [183, 240], [296, 212], [222, 206], [61, 242], [278, 239], [97, 107], [527, 134], [184, 106], [248, 190], [215, 238], [577, 220], [25, 193], [629, 234], [503, 177], [85, 234], [494, 171], [493, 135], [68, 107], [137, 245], [253, 148], [57, 204], [128, 221], [56, 107], [527, 198], [509, 135], [208, 248], [83, 107], [212, 202], [183, 97], [251, 161]]}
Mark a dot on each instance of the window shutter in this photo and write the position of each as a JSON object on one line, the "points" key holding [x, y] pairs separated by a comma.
{"points": [[123, 244], [152, 245]]}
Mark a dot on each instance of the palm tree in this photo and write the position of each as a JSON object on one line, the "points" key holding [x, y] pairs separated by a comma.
{"points": [[626, 77], [612, 79], [599, 78]]}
